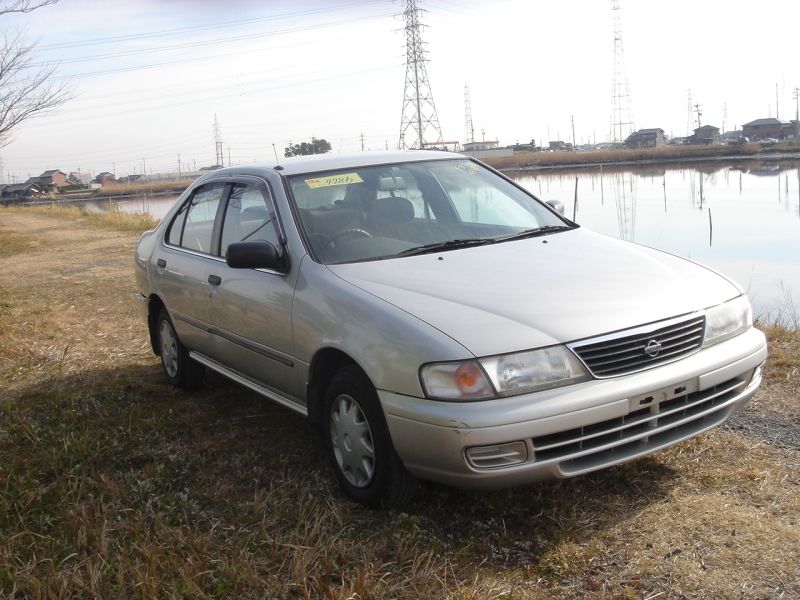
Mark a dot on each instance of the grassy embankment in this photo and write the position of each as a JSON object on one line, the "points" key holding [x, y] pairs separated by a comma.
{"points": [[115, 485], [532, 160]]}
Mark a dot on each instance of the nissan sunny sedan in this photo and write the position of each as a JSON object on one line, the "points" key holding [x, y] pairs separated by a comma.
{"points": [[435, 321]]}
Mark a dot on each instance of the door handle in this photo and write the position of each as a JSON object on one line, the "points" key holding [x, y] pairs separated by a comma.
{"points": [[161, 263], [214, 279]]}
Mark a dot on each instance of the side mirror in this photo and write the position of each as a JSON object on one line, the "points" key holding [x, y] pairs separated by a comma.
{"points": [[253, 255], [556, 205]]}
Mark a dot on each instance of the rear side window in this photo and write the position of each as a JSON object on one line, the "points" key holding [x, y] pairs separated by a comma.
{"points": [[247, 218], [176, 229], [202, 210]]}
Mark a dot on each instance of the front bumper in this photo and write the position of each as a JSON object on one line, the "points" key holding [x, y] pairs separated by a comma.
{"points": [[579, 428]]}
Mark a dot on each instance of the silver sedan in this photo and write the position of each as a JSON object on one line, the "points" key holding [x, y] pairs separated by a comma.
{"points": [[436, 321]]}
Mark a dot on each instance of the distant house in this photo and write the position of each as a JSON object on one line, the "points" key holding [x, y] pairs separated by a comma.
{"points": [[20, 191], [483, 145], [129, 178], [645, 138], [558, 146], [105, 179], [53, 179], [705, 135], [790, 130], [763, 128]]}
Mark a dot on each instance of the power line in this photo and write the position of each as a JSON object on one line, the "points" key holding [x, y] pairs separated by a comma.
{"points": [[202, 43], [181, 30]]}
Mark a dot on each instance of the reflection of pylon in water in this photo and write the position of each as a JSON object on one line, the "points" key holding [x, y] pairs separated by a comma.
{"points": [[624, 187]]}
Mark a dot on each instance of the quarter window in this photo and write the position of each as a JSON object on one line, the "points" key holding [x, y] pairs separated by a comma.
{"points": [[247, 218], [199, 227]]}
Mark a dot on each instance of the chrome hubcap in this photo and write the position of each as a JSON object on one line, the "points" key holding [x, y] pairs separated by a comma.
{"points": [[169, 348], [351, 439]]}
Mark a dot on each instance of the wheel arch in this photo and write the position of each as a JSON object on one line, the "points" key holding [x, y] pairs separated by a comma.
{"points": [[154, 307], [324, 364]]}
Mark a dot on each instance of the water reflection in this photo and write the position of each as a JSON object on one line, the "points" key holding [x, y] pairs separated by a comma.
{"points": [[741, 218]]}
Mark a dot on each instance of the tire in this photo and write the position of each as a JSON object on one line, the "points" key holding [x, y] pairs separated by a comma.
{"points": [[180, 370], [358, 444]]}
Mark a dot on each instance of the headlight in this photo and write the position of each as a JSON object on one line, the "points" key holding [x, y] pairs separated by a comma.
{"points": [[727, 320], [503, 375], [534, 370]]}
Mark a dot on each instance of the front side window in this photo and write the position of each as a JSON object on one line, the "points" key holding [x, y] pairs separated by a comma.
{"points": [[247, 218], [202, 210], [386, 211]]}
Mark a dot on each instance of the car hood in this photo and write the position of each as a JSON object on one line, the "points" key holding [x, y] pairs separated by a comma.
{"points": [[540, 291]]}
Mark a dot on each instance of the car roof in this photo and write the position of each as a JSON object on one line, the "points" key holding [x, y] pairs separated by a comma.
{"points": [[335, 161]]}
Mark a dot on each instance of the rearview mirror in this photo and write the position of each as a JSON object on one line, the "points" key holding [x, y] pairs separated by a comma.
{"points": [[556, 205], [253, 255]]}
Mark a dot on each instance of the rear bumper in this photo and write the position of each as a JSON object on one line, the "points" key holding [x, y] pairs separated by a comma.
{"points": [[579, 428]]}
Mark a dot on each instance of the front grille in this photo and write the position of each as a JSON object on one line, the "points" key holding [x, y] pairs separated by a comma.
{"points": [[626, 352], [653, 426]]}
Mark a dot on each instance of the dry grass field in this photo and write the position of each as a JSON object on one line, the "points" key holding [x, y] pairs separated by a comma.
{"points": [[115, 485]]}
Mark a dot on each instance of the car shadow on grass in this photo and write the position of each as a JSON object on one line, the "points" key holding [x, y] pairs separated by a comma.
{"points": [[224, 454]]}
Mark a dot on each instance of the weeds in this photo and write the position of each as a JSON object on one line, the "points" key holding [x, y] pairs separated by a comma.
{"points": [[115, 219]]}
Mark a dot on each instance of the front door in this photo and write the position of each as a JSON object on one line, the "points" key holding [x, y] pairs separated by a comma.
{"points": [[252, 309]]}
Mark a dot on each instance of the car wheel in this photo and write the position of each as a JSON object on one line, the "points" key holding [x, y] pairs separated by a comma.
{"points": [[180, 370], [358, 443]]}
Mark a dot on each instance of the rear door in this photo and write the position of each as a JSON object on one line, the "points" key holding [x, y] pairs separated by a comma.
{"points": [[182, 265], [251, 309]]}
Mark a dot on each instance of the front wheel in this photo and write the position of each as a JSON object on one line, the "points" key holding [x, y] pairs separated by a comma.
{"points": [[180, 370], [358, 443]]}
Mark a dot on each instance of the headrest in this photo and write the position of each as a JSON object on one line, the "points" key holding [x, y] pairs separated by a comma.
{"points": [[391, 210]]}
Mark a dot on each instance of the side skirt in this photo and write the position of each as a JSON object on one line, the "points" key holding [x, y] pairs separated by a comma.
{"points": [[269, 393]]}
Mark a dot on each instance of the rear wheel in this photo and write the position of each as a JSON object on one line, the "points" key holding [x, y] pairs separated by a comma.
{"points": [[180, 370], [358, 443]]}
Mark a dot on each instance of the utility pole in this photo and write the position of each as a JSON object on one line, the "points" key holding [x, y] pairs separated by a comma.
{"points": [[796, 104], [179, 166], [229, 156], [574, 144], [724, 115], [144, 169], [777, 106], [362, 141], [699, 115]]}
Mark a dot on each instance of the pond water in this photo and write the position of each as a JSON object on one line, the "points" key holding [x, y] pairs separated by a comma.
{"points": [[742, 219]]}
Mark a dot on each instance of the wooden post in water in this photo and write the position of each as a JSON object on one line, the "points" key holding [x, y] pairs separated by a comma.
{"points": [[575, 203], [664, 183], [602, 193]]}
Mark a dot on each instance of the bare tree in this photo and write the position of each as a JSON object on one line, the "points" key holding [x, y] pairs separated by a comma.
{"points": [[23, 6], [26, 87]]}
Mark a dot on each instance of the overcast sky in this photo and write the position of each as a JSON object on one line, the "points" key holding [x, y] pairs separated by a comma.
{"points": [[149, 76]]}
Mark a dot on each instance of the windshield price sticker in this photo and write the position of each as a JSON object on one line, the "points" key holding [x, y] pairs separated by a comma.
{"points": [[470, 169], [342, 179]]}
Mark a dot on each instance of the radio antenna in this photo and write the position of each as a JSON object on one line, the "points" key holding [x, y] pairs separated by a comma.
{"points": [[277, 162]]}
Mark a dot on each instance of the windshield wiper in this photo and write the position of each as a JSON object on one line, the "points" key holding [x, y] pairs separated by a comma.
{"points": [[446, 245], [544, 229]]}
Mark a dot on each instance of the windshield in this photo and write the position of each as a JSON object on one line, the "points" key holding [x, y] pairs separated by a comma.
{"points": [[369, 213]]}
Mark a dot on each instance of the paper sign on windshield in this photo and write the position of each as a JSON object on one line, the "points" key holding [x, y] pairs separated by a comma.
{"points": [[341, 179]]}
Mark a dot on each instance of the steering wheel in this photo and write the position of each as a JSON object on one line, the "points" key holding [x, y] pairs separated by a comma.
{"points": [[351, 232]]}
